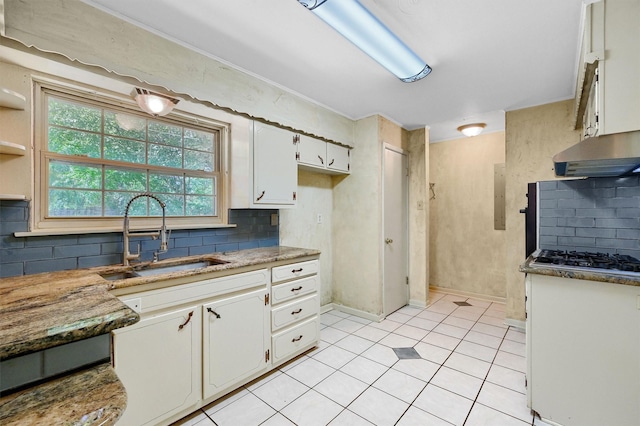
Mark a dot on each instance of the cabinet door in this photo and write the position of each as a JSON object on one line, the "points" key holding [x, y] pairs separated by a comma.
{"points": [[275, 169], [158, 361], [591, 120], [338, 158], [236, 340], [312, 152]]}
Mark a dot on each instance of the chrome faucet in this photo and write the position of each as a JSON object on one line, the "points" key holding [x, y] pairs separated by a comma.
{"points": [[162, 233]]}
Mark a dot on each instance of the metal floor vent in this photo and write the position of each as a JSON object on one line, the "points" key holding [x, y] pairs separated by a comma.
{"points": [[407, 353], [463, 304]]}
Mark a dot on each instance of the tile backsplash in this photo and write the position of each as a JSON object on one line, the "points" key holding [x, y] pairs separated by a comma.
{"points": [[593, 214], [31, 255]]}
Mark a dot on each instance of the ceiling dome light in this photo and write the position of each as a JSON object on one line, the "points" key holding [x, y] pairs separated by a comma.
{"points": [[153, 103], [362, 28], [473, 129]]}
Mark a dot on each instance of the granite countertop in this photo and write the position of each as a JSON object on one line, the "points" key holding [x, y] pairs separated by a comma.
{"points": [[601, 275], [45, 310], [41, 311], [229, 261], [90, 397]]}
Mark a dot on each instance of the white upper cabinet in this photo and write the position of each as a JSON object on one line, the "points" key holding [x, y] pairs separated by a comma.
{"points": [[312, 152], [265, 161], [275, 171], [608, 87], [323, 157], [338, 158]]}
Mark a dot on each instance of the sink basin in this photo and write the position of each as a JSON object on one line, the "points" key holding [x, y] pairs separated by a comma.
{"points": [[174, 268], [119, 276], [154, 269], [157, 270]]}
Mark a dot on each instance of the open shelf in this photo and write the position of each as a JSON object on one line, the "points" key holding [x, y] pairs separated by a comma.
{"points": [[11, 148], [17, 197], [11, 99]]}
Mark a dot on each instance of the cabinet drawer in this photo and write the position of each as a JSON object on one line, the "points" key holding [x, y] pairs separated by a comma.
{"points": [[295, 340], [294, 311], [294, 270], [283, 292]]}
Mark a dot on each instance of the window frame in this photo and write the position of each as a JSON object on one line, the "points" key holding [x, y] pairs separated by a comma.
{"points": [[103, 98]]}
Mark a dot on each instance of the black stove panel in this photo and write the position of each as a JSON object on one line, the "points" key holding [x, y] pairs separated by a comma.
{"points": [[619, 262]]}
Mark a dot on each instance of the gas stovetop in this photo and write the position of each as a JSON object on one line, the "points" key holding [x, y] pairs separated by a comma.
{"points": [[618, 264]]}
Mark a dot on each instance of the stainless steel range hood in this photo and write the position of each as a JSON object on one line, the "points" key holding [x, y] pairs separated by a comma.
{"points": [[608, 155]]}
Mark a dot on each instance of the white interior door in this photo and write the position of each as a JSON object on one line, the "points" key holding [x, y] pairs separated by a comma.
{"points": [[395, 232]]}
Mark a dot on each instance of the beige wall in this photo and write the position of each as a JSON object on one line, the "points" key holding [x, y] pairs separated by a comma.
{"points": [[418, 217], [389, 132], [299, 227], [357, 218], [533, 137], [357, 225], [466, 253]]}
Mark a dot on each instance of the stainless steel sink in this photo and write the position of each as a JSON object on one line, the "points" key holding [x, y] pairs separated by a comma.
{"points": [[154, 269], [157, 270], [119, 276]]}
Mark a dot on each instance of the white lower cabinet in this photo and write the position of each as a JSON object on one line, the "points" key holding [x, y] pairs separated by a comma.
{"points": [[295, 310], [199, 340], [293, 341], [158, 362], [583, 351], [235, 340]]}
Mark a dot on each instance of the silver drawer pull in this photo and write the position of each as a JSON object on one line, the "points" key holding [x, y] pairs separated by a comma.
{"points": [[296, 288], [296, 312], [296, 339]]}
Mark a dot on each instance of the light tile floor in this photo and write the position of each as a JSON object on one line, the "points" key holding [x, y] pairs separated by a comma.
{"points": [[471, 371]]}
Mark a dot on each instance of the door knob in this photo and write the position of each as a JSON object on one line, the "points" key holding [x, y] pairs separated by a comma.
{"points": [[388, 240]]}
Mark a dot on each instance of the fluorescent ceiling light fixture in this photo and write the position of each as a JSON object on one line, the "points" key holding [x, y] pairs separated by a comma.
{"points": [[153, 103], [360, 27], [472, 129]]}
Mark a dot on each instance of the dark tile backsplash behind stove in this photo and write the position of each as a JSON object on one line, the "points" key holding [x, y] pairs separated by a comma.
{"points": [[31, 255], [593, 214]]}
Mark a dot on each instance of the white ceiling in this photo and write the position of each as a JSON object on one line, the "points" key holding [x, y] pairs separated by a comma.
{"points": [[487, 56]]}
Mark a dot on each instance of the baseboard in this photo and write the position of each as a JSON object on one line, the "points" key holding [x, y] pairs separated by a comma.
{"points": [[326, 308], [468, 294], [417, 303], [357, 312], [519, 324]]}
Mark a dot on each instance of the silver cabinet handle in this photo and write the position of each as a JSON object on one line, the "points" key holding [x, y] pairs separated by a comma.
{"points": [[388, 240]]}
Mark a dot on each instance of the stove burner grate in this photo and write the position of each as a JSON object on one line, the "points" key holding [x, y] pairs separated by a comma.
{"points": [[619, 262]]}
